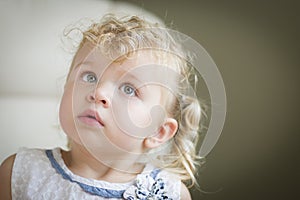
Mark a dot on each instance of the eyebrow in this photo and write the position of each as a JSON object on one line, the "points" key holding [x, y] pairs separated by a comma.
{"points": [[127, 73], [87, 63]]}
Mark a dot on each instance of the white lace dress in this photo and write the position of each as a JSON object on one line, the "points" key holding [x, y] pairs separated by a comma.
{"points": [[42, 174]]}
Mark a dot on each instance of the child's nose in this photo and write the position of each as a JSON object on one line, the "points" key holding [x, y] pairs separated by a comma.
{"points": [[99, 96]]}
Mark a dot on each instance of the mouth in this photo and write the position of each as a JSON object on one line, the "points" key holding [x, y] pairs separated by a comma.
{"points": [[91, 118]]}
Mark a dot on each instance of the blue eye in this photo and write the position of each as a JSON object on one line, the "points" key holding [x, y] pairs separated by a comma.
{"points": [[128, 90], [89, 77]]}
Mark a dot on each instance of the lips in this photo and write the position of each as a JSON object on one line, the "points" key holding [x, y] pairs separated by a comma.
{"points": [[91, 118]]}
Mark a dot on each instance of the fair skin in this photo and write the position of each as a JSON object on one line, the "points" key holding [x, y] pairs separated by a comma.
{"points": [[106, 103], [107, 112], [5, 177]]}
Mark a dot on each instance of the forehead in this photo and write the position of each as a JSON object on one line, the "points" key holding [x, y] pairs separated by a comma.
{"points": [[89, 54]]}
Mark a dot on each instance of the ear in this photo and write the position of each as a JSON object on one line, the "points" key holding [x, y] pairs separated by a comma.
{"points": [[165, 132]]}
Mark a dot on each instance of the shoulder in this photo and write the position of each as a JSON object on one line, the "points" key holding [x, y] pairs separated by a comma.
{"points": [[27, 156], [5, 177], [184, 193]]}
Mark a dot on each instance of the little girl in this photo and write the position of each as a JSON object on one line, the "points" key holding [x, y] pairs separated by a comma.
{"points": [[132, 127]]}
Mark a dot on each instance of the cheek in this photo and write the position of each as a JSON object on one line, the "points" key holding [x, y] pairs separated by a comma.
{"points": [[139, 114], [66, 115], [132, 118], [137, 119], [65, 108], [146, 116]]}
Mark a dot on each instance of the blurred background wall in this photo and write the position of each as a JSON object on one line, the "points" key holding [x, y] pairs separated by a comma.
{"points": [[254, 44]]}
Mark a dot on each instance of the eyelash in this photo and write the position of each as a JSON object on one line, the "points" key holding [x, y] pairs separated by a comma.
{"points": [[82, 76], [136, 92]]}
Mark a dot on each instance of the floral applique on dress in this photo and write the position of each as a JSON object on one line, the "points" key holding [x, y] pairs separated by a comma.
{"points": [[147, 188]]}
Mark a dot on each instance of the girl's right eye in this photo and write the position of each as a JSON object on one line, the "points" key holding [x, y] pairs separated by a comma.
{"points": [[89, 77]]}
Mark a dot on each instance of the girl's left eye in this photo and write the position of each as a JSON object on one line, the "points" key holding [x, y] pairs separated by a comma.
{"points": [[128, 89], [89, 77]]}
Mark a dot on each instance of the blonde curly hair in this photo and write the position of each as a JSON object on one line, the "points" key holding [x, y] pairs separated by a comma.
{"points": [[123, 36]]}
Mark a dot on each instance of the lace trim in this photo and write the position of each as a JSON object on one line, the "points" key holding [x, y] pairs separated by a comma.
{"points": [[87, 188], [107, 193]]}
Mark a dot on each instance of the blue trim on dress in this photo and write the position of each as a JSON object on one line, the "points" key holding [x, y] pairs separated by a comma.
{"points": [[154, 173], [87, 188]]}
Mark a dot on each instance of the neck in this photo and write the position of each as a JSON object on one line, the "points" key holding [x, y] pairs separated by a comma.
{"points": [[81, 162]]}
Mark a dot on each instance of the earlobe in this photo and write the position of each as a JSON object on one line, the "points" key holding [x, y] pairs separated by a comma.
{"points": [[165, 132], [150, 143]]}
